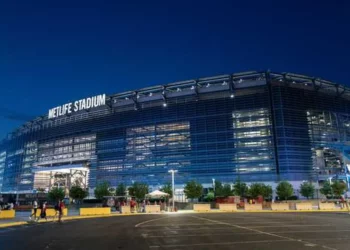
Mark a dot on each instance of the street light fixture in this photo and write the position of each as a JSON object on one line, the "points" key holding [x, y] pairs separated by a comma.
{"points": [[172, 171]]}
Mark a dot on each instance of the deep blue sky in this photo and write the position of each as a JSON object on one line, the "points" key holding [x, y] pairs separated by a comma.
{"points": [[53, 52]]}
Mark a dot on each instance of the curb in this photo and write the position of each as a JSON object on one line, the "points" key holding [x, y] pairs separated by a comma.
{"points": [[11, 224], [77, 217]]}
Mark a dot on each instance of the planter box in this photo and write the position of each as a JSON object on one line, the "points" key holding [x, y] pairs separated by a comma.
{"points": [[328, 206], [279, 206], [50, 212], [7, 214], [252, 207], [228, 207], [125, 209], [201, 207], [152, 209], [95, 211], [303, 206]]}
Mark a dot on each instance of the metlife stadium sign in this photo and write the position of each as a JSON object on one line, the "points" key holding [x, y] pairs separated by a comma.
{"points": [[87, 103]]}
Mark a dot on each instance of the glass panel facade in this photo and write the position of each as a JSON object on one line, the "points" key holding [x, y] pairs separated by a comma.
{"points": [[255, 126]]}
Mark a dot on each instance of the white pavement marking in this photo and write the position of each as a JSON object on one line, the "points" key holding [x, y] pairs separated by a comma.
{"points": [[167, 229], [312, 231], [144, 222], [266, 233], [221, 243], [178, 225], [315, 225], [192, 235], [310, 245]]}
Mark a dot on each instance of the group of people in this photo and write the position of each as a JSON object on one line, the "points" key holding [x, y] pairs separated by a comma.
{"points": [[6, 206], [59, 207]]}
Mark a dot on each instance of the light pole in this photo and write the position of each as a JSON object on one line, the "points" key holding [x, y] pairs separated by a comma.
{"points": [[172, 171], [213, 184]]}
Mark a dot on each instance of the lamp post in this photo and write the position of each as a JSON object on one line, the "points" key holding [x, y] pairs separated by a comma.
{"points": [[172, 171], [213, 184]]}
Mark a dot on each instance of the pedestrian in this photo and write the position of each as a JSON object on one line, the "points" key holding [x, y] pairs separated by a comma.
{"points": [[35, 209], [143, 206], [132, 206], [43, 207], [57, 208], [117, 206], [60, 211]]}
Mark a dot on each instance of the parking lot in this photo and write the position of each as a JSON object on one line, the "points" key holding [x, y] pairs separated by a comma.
{"points": [[251, 231], [187, 231]]}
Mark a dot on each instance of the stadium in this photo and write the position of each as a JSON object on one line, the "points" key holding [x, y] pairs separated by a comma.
{"points": [[255, 126]]}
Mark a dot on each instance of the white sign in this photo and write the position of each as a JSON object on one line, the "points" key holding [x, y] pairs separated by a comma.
{"points": [[87, 103]]}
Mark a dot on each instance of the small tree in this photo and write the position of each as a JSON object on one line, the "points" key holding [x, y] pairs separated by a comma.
{"points": [[240, 188], [193, 190], [338, 188], [56, 194], [218, 189], [307, 190], [210, 196], [120, 190], [77, 193], [226, 191], [139, 190], [326, 190], [267, 192], [256, 189], [167, 188], [102, 190], [284, 190]]}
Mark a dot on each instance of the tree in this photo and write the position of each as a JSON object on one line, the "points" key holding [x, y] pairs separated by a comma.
{"points": [[284, 190], [260, 189], [338, 188], [307, 190], [210, 196], [226, 191], [326, 190], [267, 192], [120, 190], [139, 190], [193, 190], [56, 194], [77, 193], [222, 190], [167, 188], [240, 188], [102, 190], [218, 189], [256, 189]]}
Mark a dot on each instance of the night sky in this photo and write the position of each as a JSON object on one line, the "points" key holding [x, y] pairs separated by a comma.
{"points": [[54, 52]]}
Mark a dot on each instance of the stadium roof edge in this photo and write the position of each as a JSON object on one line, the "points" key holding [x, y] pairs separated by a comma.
{"points": [[340, 89]]}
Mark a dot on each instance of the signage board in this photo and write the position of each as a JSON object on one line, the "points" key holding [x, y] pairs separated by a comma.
{"points": [[68, 108]]}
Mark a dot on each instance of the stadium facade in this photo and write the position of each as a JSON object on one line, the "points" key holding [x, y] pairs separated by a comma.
{"points": [[256, 126]]}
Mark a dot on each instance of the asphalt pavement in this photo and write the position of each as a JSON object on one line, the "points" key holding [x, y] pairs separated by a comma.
{"points": [[273, 231]]}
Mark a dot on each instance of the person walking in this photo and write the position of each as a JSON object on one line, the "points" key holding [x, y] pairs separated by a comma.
{"points": [[35, 209], [43, 207], [60, 210]]}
